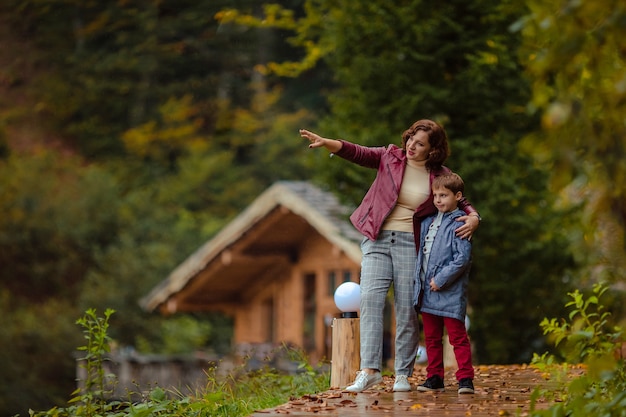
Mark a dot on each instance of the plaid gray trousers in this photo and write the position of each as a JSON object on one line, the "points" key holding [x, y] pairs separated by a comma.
{"points": [[389, 259]]}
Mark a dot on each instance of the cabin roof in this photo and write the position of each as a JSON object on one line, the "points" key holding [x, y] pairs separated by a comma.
{"points": [[249, 250]]}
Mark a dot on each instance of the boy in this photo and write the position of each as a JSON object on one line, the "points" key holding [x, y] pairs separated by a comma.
{"points": [[442, 275]]}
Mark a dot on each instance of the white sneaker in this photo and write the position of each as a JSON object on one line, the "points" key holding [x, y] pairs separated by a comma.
{"points": [[364, 381], [402, 384]]}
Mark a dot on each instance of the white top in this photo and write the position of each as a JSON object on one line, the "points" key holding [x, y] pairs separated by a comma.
{"points": [[428, 243], [414, 191]]}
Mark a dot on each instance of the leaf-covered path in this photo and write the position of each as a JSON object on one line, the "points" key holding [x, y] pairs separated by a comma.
{"points": [[500, 390]]}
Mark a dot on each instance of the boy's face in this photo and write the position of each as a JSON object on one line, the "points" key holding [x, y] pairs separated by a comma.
{"points": [[445, 200]]}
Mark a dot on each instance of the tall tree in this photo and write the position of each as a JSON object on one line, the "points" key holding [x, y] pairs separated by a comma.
{"points": [[118, 63], [575, 55], [57, 215]]}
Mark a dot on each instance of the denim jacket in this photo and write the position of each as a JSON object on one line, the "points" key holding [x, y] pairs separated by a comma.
{"points": [[449, 264]]}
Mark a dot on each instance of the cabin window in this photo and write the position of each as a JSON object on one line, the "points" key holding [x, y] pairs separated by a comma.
{"points": [[335, 278], [332, 283], [268, 315], [309, 303]]}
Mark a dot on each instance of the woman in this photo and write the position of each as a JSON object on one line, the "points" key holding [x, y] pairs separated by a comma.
{"points": [[389, 217]]}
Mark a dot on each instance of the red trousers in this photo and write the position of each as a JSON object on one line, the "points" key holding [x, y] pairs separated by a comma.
{"points": [[433, 336]]}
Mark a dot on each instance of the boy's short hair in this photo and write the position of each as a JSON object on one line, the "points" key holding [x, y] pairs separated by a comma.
{"points": [[451, 181]]}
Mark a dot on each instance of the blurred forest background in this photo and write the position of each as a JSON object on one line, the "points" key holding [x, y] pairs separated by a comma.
{"points": [[132, 131]]}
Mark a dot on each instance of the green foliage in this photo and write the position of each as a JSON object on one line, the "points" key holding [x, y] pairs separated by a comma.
{"points": [[587, 337], [52, 222], [571, 52], [93, 395], [72, 236], [237, 394], [52, 225], [587, 332], [176, 131], [521, 265], [182, 334], [37, 342], [244, 393], [119, 64]]}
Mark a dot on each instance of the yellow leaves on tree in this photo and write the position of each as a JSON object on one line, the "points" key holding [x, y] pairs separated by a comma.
{"points": [[176, 131]]}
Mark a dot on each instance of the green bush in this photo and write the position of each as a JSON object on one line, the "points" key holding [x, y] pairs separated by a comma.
{"points": [[586, 339], [236, 395]]}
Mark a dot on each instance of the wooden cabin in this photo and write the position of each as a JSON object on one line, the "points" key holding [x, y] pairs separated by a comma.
{"points": [[274, 269]]}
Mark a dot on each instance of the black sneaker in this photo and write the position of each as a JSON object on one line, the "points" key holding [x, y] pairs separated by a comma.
{"points": [[466, 386], [434, 383]]}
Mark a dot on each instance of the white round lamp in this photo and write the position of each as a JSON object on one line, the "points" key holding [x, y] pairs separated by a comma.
{"points": [[421, 358], [348, 299]]}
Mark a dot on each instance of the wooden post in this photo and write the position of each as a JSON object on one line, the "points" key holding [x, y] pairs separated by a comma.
{"points": [[346, 356]]}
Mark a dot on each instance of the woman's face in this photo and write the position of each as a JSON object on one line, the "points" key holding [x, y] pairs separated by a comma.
{"points": [[418, 147]]}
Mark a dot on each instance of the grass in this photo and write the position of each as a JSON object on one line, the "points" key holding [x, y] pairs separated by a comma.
{"points": [[238, 394]]}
